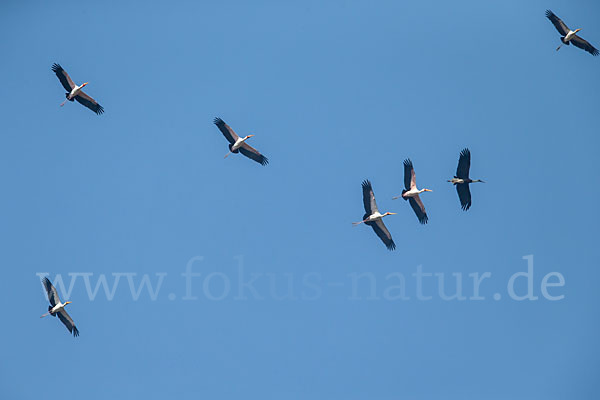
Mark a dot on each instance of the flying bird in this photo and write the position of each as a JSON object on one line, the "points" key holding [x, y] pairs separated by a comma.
{"points": [[56, 308], [238, 144], [411, 193], [74, 92], [569, 36], [461, 180], [373, 217]]}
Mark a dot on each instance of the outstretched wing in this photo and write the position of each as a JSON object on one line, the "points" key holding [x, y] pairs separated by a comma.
{"points": [[464, 164], [464, 195], [68, 321], [418, 208], [584, 44], [385, 235], [560, 26], [369, 198], [63, 77], [90, 103], [51, 291], [410, 180], [253, 154], [226, 130]]}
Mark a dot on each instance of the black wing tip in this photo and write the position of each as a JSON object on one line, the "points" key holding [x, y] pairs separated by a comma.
{"points": [[465, 151], [550, 15], [366, 184], [75, 331], [264, 161], [57, 68], [594, 52], [391, 246], [47, 284], [217, 121], [465, 207], [424, 220], [99, 110], [408, 163]]}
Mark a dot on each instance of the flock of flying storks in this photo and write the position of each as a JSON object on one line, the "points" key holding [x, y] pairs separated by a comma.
{"points": [[372, 216]]}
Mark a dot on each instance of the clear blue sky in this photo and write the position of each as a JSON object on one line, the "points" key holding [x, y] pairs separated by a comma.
{"points": [[335, 92]]}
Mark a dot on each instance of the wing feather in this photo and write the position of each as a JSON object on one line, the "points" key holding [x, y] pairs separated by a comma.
{"points": [[464, 164], [226, 130], [253, 154], [464, 195], [63, 77], [584, 45], [383, 233], [418, 208], [369, 198], [409, 175], [560, 26], [85, 100], [68, 322], [51, 291]]}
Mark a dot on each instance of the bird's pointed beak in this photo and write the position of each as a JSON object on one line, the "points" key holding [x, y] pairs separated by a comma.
{"points": [[428, 190], [68, 302], [85, 83], [392, 213], [250, 136]]}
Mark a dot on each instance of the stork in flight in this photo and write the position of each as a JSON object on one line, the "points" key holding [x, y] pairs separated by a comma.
{"points": [[57, 308], [238, 144], [569, 36], [411, 193], [74, 92], [461, 180], [373, 217]]}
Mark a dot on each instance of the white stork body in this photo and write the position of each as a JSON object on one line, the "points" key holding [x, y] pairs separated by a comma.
{"points": [[412, 193], [57, 308], [376, 216], [238, 143], [570, 35], [74, 92]]}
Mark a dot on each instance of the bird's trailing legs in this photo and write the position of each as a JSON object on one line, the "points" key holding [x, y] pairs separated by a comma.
{"points": [[558, 48], [358, 223], [227, 155], [45, 315], [63, 103]]}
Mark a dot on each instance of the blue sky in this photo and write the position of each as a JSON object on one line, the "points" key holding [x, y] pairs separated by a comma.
{"points": [[335, 92]]}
